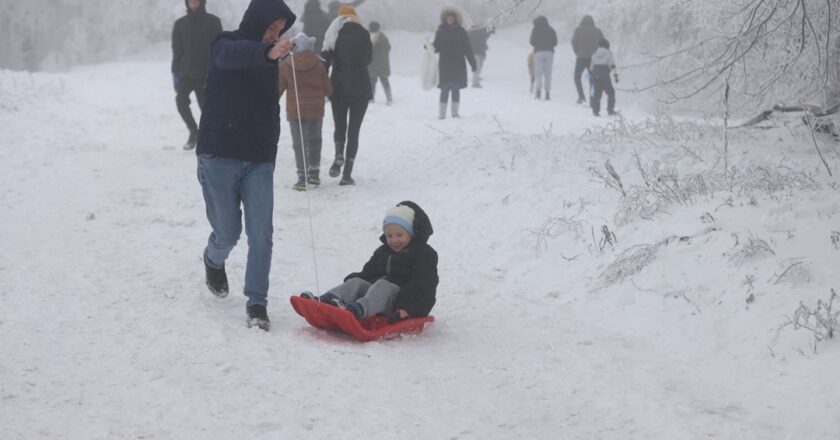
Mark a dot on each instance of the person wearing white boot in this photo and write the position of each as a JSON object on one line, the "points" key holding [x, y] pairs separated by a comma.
{"points": [[453, 45]]}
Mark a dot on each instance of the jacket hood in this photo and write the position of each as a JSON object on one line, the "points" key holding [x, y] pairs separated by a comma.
{"points": [[422, 225], [304, 61], [459, 18], [587, 20], [259, 16], [540, 21], [201, 6]]}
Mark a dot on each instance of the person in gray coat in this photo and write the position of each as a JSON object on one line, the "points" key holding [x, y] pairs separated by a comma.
{"points": [[602, 64], [585, 42], [380, 67]]}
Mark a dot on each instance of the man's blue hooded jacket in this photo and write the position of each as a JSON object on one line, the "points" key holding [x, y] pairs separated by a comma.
{"points": [[241, 114]]}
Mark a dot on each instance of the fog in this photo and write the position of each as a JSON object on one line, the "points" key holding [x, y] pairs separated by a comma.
{"points": [[682, 50]]}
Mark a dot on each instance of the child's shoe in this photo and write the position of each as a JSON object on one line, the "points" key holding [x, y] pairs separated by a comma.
{"points": [[300, 185], [612, 112], [356, 309], [309, 295], [329, 298], [314, 180]]}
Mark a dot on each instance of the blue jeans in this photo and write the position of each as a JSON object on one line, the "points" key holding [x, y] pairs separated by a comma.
{"points": [[228, 184]]}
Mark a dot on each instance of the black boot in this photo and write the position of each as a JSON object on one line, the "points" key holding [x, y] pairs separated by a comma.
{"points": [[191, 141], [335, 169], [216, 280], [346, 178], [258, 317]]}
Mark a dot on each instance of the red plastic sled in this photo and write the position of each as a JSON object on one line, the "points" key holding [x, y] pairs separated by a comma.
{"points": [[329, 317]]}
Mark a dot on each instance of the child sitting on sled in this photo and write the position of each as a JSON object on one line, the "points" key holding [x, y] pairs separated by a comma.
{"points": [[400, 279]]}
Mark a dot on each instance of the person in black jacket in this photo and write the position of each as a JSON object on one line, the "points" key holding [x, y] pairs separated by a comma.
{"points": [[348, 51], [453, 45], [400, 279], [191, 38], [237, 147], [543, 39], [315, 23]]}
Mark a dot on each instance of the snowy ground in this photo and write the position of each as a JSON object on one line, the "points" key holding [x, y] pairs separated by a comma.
{"points": [[107, 331]]}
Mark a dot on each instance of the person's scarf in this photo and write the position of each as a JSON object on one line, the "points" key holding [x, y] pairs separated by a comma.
{"points": [[332, 32]]}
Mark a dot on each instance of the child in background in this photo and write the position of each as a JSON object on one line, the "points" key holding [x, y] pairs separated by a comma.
{"points": [[400, 279], [313, 85], [602, 64], [380, 67]]}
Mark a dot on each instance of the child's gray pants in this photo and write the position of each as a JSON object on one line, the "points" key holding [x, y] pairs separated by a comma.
{"points": [[375, 298]]}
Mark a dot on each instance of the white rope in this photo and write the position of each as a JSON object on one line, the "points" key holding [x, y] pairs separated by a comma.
{"points": [[305, 175]]}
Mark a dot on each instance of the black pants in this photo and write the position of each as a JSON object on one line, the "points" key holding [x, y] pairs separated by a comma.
{"points": [[385, 85], [186, 86], [344, 133], [603, 85], [580, 65], [444, 93]]}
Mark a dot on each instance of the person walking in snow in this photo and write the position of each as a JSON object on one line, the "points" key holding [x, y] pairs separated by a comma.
{"points": [[348, 52], [237, 148], [543, 40], [380, 67], [307, 87], [191, 38], [602, 64], [400, 279], [478, 42], [585, 42], [315, 22], [453, 45]]}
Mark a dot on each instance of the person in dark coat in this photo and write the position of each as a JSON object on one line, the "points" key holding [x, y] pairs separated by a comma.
{"points": [[380, 67], [191, 38], [237, 147], [453, 45], [603, 63], [584, 42], [543, 39], [478, 42], [348, 52], [335, 5], [315, 22], [400, 279]]}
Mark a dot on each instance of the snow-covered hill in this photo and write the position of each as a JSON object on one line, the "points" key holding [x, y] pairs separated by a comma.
{"points": [[671, 329]]}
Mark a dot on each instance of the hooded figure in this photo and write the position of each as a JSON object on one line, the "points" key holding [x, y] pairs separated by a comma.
{"points": [[237, 147], [453, 45], [414, 270], [315, 22], [242, 116], [543, 39], [585, 42], [191, 38]]}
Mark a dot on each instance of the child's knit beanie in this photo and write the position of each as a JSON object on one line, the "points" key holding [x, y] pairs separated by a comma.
{"points": [[303, 42], [400, 215]]}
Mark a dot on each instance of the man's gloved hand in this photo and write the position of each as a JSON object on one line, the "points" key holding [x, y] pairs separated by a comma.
{"points": [[615, 77]]}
